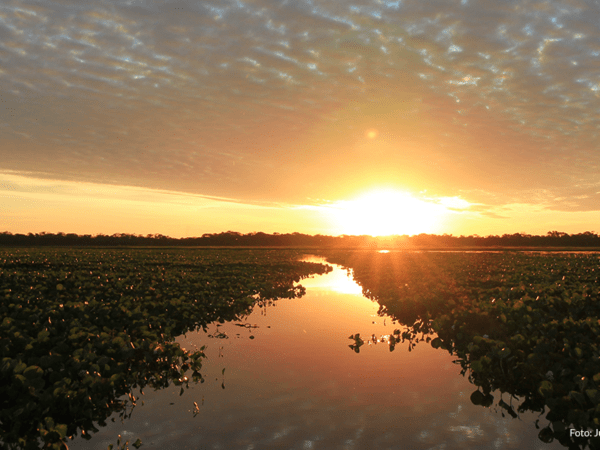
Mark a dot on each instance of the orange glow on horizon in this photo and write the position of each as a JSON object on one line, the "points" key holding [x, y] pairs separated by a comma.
{"points": [[387, 212]]}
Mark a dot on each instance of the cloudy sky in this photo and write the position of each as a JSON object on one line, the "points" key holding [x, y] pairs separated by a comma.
{"points": [[184, 118]]}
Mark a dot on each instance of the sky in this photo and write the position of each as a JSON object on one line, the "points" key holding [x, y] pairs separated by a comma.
{"points": [[312, 116]]}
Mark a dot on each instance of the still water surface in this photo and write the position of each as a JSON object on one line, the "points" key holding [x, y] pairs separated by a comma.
{"points": [[296, 384]]}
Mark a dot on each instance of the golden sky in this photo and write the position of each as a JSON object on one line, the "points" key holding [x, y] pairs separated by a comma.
{"points": [[184, 118]]}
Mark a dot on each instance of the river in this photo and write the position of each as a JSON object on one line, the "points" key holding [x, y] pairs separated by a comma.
{"points": [[287, 379]]}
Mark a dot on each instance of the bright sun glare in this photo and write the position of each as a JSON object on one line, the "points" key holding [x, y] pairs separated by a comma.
{"points": [[382, 213]]}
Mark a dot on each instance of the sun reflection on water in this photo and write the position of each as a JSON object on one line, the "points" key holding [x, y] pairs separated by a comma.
{"points": [[339, 281]]}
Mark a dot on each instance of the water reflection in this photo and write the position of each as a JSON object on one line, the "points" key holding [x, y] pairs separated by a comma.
{"points": [[339, 281], [297, 386]]}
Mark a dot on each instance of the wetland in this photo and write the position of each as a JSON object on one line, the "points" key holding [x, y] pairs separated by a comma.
{"points": [[279, 349]]}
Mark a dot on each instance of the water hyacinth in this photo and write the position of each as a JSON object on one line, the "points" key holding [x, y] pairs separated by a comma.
{"points": [[524, 324], [81, 328]]}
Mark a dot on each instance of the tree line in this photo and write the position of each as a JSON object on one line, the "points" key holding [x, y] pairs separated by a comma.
{"points": [[259, 239]]}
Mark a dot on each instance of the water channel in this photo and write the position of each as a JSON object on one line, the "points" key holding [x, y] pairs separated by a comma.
{"points": [[290, 381]]}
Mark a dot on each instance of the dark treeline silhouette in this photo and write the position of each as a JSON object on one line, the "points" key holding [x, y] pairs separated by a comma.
{"points": [[235, 239]]}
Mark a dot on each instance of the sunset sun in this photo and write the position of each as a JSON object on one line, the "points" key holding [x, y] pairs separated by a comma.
{"points": [[387, 212]]}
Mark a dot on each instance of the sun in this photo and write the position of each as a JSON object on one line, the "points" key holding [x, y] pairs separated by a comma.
{"points": [[387, 212], [372, 133]]}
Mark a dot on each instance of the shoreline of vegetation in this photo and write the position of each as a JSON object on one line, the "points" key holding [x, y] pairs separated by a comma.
{"points": [[314, 248], [553, 239]]}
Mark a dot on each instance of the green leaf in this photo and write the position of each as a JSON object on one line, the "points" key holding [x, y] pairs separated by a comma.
{"points": [[43, 335], [578, 397], [593, 394], [476, 366], [505, 352], [61, 429], [546, 435], [49, 423], [545, 388], [477, 398], [33, 372], [36, 383], [20, 367]]}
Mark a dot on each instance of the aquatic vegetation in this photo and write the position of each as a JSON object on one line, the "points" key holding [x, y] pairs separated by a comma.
{"points": [[82, 328], [524, 324]]}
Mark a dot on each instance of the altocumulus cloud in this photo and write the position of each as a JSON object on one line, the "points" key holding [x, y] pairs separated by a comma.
{"points": [[226, 98]]}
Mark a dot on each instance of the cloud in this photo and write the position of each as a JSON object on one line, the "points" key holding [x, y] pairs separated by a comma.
{"points": [[239, 98]]}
